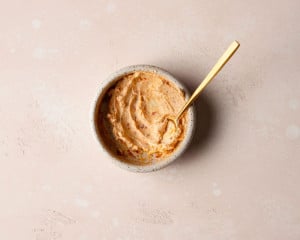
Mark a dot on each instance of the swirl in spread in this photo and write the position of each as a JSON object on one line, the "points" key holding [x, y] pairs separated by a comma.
{"points": [[137, 112]]}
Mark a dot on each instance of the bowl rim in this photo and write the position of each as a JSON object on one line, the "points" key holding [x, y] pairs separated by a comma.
{"points": [[112, 79]]}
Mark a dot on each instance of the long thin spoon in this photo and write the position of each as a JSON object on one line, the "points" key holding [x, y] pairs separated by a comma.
{"points": [[210, 76]]}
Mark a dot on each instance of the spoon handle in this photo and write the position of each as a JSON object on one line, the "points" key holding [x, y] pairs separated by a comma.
{"points": [[210, 76]]}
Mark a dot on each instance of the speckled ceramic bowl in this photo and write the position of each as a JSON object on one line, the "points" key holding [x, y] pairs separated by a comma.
{"points": [[109, 82]]}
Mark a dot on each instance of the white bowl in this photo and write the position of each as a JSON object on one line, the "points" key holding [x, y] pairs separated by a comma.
{"points": [[109, 82]]}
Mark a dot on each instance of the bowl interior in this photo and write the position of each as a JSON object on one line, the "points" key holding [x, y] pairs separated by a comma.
{"points": [[99, 105]]}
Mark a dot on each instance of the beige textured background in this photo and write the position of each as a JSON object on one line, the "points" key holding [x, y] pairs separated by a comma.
{"points": [[239, 179]]}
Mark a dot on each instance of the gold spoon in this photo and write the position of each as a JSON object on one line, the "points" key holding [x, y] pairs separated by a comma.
{"points": [[210, 76]]}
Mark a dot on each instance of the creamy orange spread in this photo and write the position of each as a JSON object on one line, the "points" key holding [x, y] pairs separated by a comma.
{"points": [[137, 111]]}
